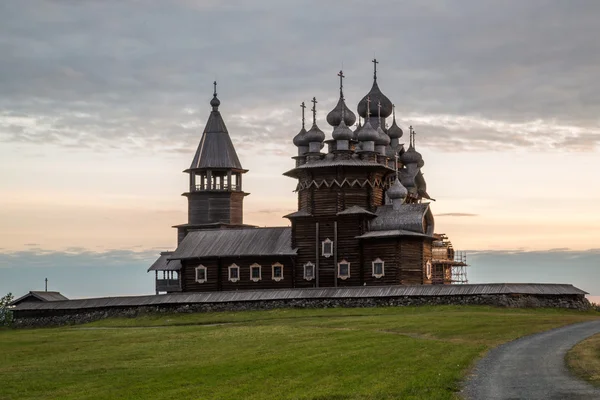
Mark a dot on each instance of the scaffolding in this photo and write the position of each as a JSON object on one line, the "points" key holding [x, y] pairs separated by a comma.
{"points": [[459, 268], [449, 265]]}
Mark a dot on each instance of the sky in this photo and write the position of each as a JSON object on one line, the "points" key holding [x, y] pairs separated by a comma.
{"points": [[102, 105]]}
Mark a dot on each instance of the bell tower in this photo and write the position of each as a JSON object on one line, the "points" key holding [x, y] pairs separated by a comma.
{"points": [[215, 195]]}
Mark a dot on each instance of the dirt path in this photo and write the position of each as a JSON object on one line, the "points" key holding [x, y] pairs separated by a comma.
{"points": [[532, 368]]}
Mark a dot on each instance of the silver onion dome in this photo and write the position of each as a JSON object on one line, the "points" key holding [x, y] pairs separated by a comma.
{"points": [[397, 191], [335, 116], [367, 133], [342, 132]]}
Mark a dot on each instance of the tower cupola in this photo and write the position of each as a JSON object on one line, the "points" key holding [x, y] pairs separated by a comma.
{"points": [[215, 195], [394, 131]]}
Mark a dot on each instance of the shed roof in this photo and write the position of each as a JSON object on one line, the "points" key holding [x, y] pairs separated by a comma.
{"points": [[164, 264], [235, 242], [39, 295], [312, 293]]}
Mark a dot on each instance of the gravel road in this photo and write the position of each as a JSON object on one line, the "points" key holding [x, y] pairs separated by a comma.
{"points": [[532, 368]]}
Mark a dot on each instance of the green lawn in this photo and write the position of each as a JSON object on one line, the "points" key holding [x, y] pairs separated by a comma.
{"points": [[584, 359], [376, 353]]}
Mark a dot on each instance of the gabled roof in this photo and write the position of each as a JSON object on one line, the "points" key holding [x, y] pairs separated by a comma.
{"points": [[164, 264], [235, 242], [215, 149], [39, 295]]}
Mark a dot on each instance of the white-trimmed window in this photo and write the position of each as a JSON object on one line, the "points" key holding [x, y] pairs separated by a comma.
{"points": [[277, 272], [327, 248], [378, 267], [309, 271], [234, 273], [200, 274], [255, 273], [343, 269], [428, 269]]}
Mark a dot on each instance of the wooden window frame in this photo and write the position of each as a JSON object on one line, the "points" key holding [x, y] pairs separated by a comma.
{"points": [[201, 268], [312, 266], [280, 278], [323, 243], [229, 278], [252, 267], [339, 275], [428, 269], [377, 261]]}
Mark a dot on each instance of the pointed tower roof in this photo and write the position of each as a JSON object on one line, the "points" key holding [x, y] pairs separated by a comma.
{"points": [[341, 112], [376, 97], [215, 149]]}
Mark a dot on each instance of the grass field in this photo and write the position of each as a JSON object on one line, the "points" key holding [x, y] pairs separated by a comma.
{"points": [[584, 359], [378, 353]]}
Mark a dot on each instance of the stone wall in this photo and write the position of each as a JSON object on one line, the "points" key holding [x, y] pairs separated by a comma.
{"points": [[40, 318]]}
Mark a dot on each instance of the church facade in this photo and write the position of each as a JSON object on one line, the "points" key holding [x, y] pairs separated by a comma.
{"points": [[363, 214]]}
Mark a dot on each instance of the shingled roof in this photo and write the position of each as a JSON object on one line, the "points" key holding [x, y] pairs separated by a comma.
{"points": [[235, 242], [215, 149], [409, 217], [164, 264]]}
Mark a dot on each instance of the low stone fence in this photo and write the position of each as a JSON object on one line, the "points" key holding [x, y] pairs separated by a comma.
{"points": [[56, 317]]}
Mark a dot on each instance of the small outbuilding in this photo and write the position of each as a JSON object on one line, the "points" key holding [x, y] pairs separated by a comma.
{"points": [[38, 297]]}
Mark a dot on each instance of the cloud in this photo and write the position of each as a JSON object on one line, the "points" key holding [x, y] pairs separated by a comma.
{"points": [[468, 74]]}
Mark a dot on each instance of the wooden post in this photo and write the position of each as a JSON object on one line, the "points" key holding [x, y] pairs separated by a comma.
{"points": [[228, 180], [317, 254], [156, 281]]}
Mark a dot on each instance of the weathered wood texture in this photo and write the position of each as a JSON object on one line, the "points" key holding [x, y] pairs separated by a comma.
{"points": [[412, 263], [388, 251], [215, 206]]}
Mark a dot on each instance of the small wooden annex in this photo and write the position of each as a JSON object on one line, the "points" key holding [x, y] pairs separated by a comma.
{"points": [[363, 215]]}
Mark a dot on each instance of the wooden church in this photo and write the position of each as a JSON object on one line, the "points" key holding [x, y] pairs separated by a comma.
{"points": [[363, 217]]}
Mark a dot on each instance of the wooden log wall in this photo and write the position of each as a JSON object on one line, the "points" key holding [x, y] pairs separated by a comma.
{"points": [[303, 238], [411, 261], [387, 250], [217, 273]]}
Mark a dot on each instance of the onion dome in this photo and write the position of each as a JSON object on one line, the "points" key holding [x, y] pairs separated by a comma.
{"points": [[215, 102], [342, 132], [382, 138], [376, 98], [394, 131], [412, 156], [314, 134], [335, 116], [397, 191], [300, 139], [367, 133], [341, 111]]}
